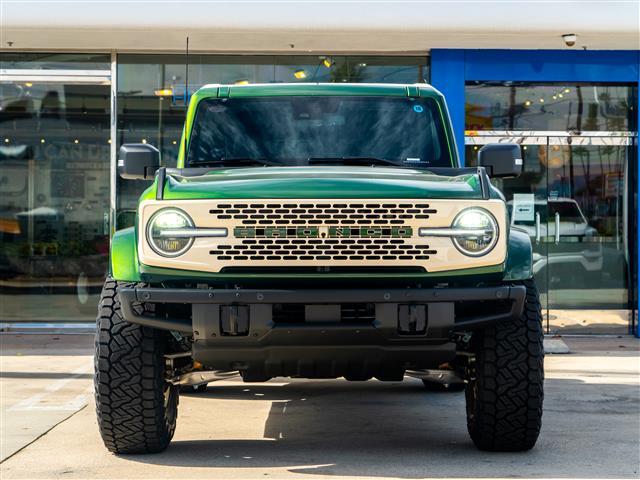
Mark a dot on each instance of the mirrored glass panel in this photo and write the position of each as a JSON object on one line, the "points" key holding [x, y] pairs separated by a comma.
{"points": [[551, 107], [54, 200], [55, 61]]}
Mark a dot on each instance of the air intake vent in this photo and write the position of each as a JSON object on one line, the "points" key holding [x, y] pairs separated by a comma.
{"points": [[318, 249], [322, 213]]}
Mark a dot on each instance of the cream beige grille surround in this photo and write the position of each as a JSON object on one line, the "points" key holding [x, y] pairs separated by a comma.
{"points": [[322, 233]]}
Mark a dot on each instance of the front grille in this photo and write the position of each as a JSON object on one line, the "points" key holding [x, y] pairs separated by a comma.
{"points": [[322, 232], [323, 249], [322, 213], [356, 235]]}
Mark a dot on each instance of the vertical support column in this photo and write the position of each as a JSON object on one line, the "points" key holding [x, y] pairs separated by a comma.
{"points": [[113, 153], [448, 76]]}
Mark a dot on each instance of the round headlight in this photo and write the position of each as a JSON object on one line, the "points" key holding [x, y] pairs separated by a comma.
{"points": [[478, 232], [163, 232]]}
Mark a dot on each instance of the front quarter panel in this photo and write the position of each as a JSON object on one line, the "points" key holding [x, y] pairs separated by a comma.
{"points": [[124, 256], [519, 265]]}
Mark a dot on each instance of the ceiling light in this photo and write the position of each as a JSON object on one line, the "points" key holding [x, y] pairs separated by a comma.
{"points": [[527, 103], [566, 90], [542, 100], [163, 92], [327, 62], [28, 84], [243, 81], [560, 95], [300, 74]]}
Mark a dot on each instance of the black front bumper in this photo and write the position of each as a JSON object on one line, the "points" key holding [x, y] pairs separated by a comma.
{"points": [[324, 348]]}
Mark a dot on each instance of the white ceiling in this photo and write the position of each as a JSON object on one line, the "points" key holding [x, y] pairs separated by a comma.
{"points": [[313, 26]]}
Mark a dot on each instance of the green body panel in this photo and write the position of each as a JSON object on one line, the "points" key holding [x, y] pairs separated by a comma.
{"points": [[519, 265], [124, 256], [318, 182]]}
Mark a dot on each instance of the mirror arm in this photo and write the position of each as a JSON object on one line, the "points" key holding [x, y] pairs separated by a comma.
{"points": [[484, 182], [161, 175]]}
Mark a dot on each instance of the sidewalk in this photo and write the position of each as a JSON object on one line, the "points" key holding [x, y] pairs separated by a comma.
{"points": [[322, 428]]}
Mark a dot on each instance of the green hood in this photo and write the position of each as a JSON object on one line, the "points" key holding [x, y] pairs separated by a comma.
{"points": [[319, 182]]}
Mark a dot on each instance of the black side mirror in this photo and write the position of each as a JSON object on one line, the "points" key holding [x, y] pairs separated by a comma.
{"points": [[138, 161], [501, 159]]}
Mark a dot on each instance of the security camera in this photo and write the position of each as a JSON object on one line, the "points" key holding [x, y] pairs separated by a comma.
{"points": [[570, 39]]}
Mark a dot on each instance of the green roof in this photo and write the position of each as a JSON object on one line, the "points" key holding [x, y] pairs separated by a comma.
{"points": [[309, 89]]}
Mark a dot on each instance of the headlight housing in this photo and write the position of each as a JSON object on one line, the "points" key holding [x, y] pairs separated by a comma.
{"points": [[477, 232], [163, 232]]}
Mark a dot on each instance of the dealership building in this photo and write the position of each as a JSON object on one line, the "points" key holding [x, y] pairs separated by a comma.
{"points": [[77, 80]]}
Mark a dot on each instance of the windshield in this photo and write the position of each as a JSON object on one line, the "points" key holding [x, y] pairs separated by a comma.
{"points": [[316, 130]]}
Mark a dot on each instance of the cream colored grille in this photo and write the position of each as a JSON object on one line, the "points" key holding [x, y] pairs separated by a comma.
{"points": [[322, 233], [322, 213]]}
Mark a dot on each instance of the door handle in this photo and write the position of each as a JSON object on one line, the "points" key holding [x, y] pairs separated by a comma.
{"points": [[557, 228], [537, 227]]}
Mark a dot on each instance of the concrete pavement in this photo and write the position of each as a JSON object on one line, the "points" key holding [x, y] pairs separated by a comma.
{"points": [[332, 428]]}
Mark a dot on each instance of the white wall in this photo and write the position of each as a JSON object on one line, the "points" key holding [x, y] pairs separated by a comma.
{"points": [[314, 26]]}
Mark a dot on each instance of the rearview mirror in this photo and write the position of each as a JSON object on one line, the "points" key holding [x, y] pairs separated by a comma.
{"points": [[138, 161], [501, 159]]}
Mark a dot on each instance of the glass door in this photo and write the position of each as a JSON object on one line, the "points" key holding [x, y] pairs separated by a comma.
{"points": [[54, 191], [588, 253], [573, 200]]}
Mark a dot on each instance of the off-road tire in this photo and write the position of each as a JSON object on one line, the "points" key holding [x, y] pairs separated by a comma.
{"points": [[136, 408], [505, 390]]}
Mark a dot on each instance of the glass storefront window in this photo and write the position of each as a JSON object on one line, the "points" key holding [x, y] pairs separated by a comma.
{"points": [[553, 107], [152, 93], [575, 196], [56, 61], [54, 193]]}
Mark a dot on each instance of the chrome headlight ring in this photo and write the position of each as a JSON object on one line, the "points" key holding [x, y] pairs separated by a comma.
{"points": [[167, 228], [474, 224]]}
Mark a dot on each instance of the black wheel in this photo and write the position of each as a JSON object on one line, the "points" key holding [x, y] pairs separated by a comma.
{"points": [[442, 387], [505, 390], [136, 408]]}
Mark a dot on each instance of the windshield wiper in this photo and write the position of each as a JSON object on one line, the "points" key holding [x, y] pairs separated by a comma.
{"points": [[233, 162], [352, 161]]}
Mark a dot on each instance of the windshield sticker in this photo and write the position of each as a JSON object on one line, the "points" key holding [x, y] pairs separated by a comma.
{"points": [[418, 108]]}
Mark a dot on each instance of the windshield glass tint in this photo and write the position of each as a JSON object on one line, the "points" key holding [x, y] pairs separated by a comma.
{"points": [[291, 130]]}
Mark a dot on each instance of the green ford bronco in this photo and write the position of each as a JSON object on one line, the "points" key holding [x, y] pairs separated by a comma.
{"points": [[319, 231]]}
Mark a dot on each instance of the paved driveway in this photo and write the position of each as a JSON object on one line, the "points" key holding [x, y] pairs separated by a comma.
{"points": [[326, 428]]}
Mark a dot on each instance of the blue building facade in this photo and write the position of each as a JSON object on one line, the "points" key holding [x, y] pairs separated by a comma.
{"points": [[455, 72]]}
